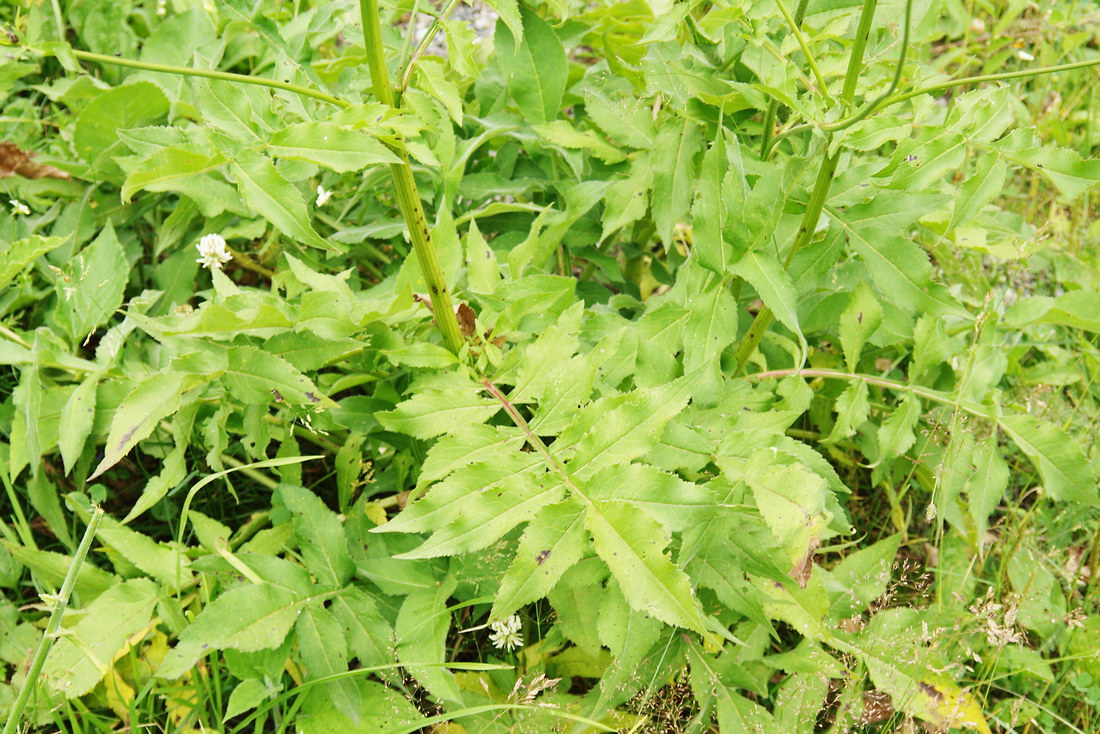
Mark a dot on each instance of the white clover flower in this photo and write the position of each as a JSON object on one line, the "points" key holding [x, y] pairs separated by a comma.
{"points": [[322, 195], [162, 8], [213, 251], [1025, 56], [19, 207], [507, 634]]}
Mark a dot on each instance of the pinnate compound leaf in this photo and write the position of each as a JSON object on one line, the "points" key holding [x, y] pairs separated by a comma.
{"points": [[485, 516], [122, 610], [633, 544], [902, 269], [247, 618], [270, 195], [320, 536], [434, 411], [536, 67], [619, 429], [152, 400], [1066, 473], [552, 543], [330, 145]]}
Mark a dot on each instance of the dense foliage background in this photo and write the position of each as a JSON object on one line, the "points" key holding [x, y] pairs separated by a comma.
{"points": [[639, 366]]}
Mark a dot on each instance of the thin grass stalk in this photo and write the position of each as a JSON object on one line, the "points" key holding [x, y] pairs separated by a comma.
{"points": [[61, 602]]}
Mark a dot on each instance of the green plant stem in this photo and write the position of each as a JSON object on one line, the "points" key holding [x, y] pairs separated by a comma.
{"points": [[921, 392], [868, 109], [54, 623], [773, 103], [794, 25], [211, 74], [408, 198], [422, 47], [810, 217]]}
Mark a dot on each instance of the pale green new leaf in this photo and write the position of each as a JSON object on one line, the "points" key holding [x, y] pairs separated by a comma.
{"points": [[712, 208], [552, 543], [1066, 473], [852, 408], [633, 544], [561, 132], [74, 663], [269, 194], [329, 145]]}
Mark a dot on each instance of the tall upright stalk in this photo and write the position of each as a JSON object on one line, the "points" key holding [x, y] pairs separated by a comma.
{"points": [[408, 198], [820, 192], [61, 601]]}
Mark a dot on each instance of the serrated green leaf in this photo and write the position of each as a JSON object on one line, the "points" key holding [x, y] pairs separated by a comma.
{"points": [[90, 288], [862, 577], [895, 435], [95, 136], [858, 322], [152, 400], [434, 411], [329, 145], [323, 649], [773, 284], [561, 132], [633, 544], [712, 210], [320, 536], [1066, 473], [619, 429], [421, 630], [986, 485], [162, 169], [247, 618], [270, 195], [552, 543], [369, 635], [986, 183], [902, 269], [21, 253], [674, 175], [852, 408]]}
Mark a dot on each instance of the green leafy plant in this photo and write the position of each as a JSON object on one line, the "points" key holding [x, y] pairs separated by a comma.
{"points": [[654, 360]]}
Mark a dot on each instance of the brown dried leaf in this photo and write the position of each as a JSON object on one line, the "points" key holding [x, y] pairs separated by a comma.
{"points": [[466, 320], [14, 161]]}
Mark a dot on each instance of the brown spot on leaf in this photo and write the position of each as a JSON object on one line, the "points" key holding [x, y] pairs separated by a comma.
{"points": [[14, 161], [804, 568], [312, 398], [542, 556], [278, 395]]}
